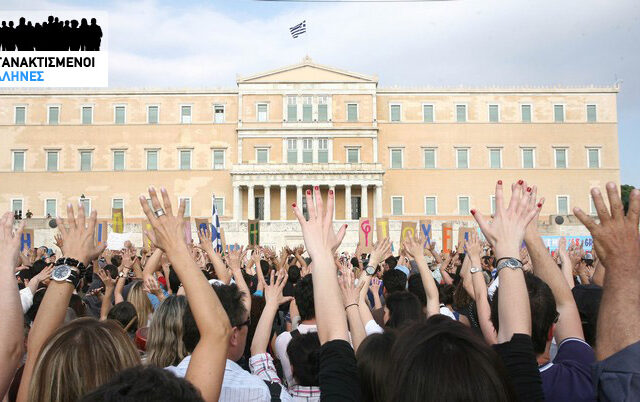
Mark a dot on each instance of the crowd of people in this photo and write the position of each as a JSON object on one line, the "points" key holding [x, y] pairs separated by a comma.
{"points": [[53, 34], [499, 319]]}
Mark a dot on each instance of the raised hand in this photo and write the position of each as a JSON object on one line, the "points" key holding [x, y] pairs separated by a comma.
{"points": [[167, 231], [375, 285], [9, 242], [273, 291], [204, 236], [78, 237], [350, 292], [128, 258], [235, 257], [105, 277], [473, 248], [59, 242], [413, 247], [381, 250]]}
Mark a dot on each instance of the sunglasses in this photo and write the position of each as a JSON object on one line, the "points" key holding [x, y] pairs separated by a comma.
{"points": [[247, 323]]}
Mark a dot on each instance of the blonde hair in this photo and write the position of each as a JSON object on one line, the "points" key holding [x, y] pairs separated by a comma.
{"points": [[164, 344], [138, 297], [79, 357]]}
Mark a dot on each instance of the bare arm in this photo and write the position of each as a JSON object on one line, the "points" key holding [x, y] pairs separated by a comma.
{"points": [[109, 285], [567, 265], [120, 280], [414, 249], [350, 296], [474, 248], [375, 291], [235, 259], [599, 273], [273, 299], [216, 260]]}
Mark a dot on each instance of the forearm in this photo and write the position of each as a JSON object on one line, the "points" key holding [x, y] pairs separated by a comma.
{"points": [[11, 330], [106, 303], [482, 305], [356, 327], [513, 305], [598, 274], [152, 264], [218, 266], [446, 277], [430, 288], [137, 269], [118, 290], [376, 300], [567, 269], [263, 329], [330, 315], [33, 284], [242, 286]]}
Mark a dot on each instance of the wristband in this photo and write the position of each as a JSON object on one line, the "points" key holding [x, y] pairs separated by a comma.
{"points": [[352, 304]]}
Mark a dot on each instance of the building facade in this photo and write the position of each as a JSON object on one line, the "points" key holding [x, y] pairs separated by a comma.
{"points": [[399, 153]]}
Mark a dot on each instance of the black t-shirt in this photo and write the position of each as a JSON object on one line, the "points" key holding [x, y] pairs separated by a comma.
{"points": [[338, 373], [521, 366]]}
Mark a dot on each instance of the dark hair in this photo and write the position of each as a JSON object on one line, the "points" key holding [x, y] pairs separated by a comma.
{"points": [[355, 261], [112, 269], [125, 313], [251, 280], [430, 357], [416, 287], [144, 383], [303, 352], [391, 261], [403, 307], [37, 299], [116, 260], [265, 267], [231, 299], [394, 280], [461, 298], [257, 305], [294, 274], [78, 306], [38, 266], [445, 293], [374, 359], [543, 311], [174, 280], [304, 298]]}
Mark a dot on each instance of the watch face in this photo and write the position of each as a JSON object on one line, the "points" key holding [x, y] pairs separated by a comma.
{"points": [[370, 270], [61, 272]]}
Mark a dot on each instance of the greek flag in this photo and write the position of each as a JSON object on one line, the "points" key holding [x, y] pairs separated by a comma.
{"points": [[215, 228], [298, 29]]}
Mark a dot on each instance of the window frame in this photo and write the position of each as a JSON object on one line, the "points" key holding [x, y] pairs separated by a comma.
{"points": [[80, 152], [115, 114], [433, 112], [124, 159], [57, 152], [113, 206], [88, 200], [11, 200], [564, 113], [497, 105], [558, 196], [533, 157], [213, 198], [287, 142], [468, 149], [82, 107], [157, 116], [566, 157], [595, 105], [55, 212], [13, 160], [146, 159], [466, 112], [213, 158], [391, 149], [401, 197], [49, 107], [319, 141], [182, 117], [186, 215], [257, 149], [391, 106], [500, 162], [224, 113], [287, 118], [598, 149], [310, 104], [530, 113], [265, 104], [357, 112], [426, 212], [468, 197], [347, 149], [15, 114], [435, 157], [180, 151]]}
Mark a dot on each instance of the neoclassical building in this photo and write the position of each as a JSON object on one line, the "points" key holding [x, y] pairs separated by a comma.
{"points": [[400, 153]]}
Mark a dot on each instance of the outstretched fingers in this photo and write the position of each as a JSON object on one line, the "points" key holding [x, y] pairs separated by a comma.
{"points": [[633, 213], [482, 222], [167, 201], [617, 210]]}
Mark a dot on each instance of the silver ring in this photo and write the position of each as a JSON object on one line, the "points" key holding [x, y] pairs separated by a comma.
{"points": [[159, 212]]}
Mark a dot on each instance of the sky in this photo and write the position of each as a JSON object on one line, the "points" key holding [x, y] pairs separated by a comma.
{"points": [[206, 43]]}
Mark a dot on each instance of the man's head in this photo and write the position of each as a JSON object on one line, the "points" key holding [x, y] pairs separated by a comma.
{"points": [[391, 262], [231, 299], [416, 287], [304, 298], [543, 312], [394, 281]]}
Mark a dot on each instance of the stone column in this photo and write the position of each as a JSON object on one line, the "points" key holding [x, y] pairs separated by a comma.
{"points": [[267, 203], [347, 202], [299, 196], [237, 203], [364, 202], [332, 188], [251, 199], [378, 202], [283, 202]]}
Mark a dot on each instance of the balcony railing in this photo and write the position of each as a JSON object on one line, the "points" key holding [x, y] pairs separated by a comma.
{"points": [[307, 168]]}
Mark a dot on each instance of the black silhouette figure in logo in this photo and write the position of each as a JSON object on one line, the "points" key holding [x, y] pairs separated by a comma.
{"points": [[53, 34]]}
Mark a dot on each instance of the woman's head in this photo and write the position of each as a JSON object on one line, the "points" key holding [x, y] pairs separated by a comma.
{"points": [[374, 359], [440, 360], [125, 314], [303, 354], [79, 357], [165, 346], [402, 307], [138, 297]]}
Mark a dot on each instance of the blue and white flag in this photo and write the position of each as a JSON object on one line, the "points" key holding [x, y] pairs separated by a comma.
{"points": [[215, 228], [298, 29]]}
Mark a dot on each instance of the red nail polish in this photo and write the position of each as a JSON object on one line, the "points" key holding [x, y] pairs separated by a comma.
{"points": [[308, 192], [520, 182], [473, 212], [539, 205], [500, 182], [293, 205], [529, 189], [331, 192], [316, 188]]}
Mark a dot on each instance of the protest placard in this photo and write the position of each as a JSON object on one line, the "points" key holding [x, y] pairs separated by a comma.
{"points": [[365, 235]]}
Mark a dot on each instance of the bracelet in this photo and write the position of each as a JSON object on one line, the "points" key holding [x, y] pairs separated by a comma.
{"points": [[352, 304]]}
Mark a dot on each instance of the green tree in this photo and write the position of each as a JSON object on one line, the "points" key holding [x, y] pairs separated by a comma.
{"points": [[625, 190]]}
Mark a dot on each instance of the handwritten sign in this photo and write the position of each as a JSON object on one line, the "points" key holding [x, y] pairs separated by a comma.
{"points": [[254, 232], [102, 231], [202, 224], [26, 240], [552, 242], [365, 234], [116, 240], [408, 229], [117, 220], [424, 227], [382, 228], [447, 237], [463, 234]]}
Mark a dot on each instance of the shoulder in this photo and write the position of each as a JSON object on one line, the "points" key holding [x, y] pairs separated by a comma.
{"points": [[574, 349], [281, 343]]}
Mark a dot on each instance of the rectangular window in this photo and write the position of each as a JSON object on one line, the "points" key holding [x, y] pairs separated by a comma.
{"points": [[117, 203], [495, 156], [323, 150], [292, 109], [427, 114], [50, 208], [429, 158], [120, 114], [525, 112], [218, 159], [52, 161], [85, 161], [219, 204], [259, 208], [262, 155], [54, 115], [463, 205], [307, 109], [187, 205], [16, 206], [558, 113], [461, 113], [593, 155], [87, 115], [353, 155], [494, 113], [18, 161], [462, 158], [528, 158], [307, 150], [356, 207], [561, 158], [21, 115], [397, 206], [592, 114], [185, 114], [396, 158], [263, 112], [395, 112], [352, 112], [86, 205], [323, 109], [153, 115], [218, 113], [118, 160], [185, 159], [292, 150], [430, 206], [493, 204], [152, 159], [563, 205]]}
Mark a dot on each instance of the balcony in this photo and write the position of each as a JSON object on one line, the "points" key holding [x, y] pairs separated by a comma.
{"points": [[297, 173], [307, 168]]}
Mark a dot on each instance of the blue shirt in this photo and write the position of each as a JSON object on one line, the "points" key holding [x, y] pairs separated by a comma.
{"points": [[568, 377]]}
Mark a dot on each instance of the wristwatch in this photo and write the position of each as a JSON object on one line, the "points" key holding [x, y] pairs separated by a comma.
{"points": [[63, 272], [475, 269], [370, 270], [508, 262]]}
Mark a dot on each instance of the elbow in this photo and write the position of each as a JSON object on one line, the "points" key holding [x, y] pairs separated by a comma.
{"points": [[13, 352]]}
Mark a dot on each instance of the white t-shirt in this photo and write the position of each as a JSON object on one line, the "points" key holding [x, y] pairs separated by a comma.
{"points": [[282, 341]]}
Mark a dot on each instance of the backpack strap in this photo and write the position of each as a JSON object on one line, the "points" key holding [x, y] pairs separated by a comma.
{"points": [[295, 333], [274, 390]]}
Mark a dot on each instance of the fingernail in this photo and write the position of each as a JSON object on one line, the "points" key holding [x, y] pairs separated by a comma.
{"points": [[69, 205], [473, 212], [331, 192], [539, 205], [151, 188], [345, 225], [293, 205], [596, 190], [520, 182], [164, 190], [316, 188], [529, 189], [500, 182], [308, 192]]}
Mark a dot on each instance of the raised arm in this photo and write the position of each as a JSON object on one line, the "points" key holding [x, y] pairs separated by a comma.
{"points": [[565, 262], [109, 285], [414, 248], [273, 299], [350, 296], [206, 369], [569, 324], [11, 330], [474, 248], [235, 258], [204, 235], [79, 245]]}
